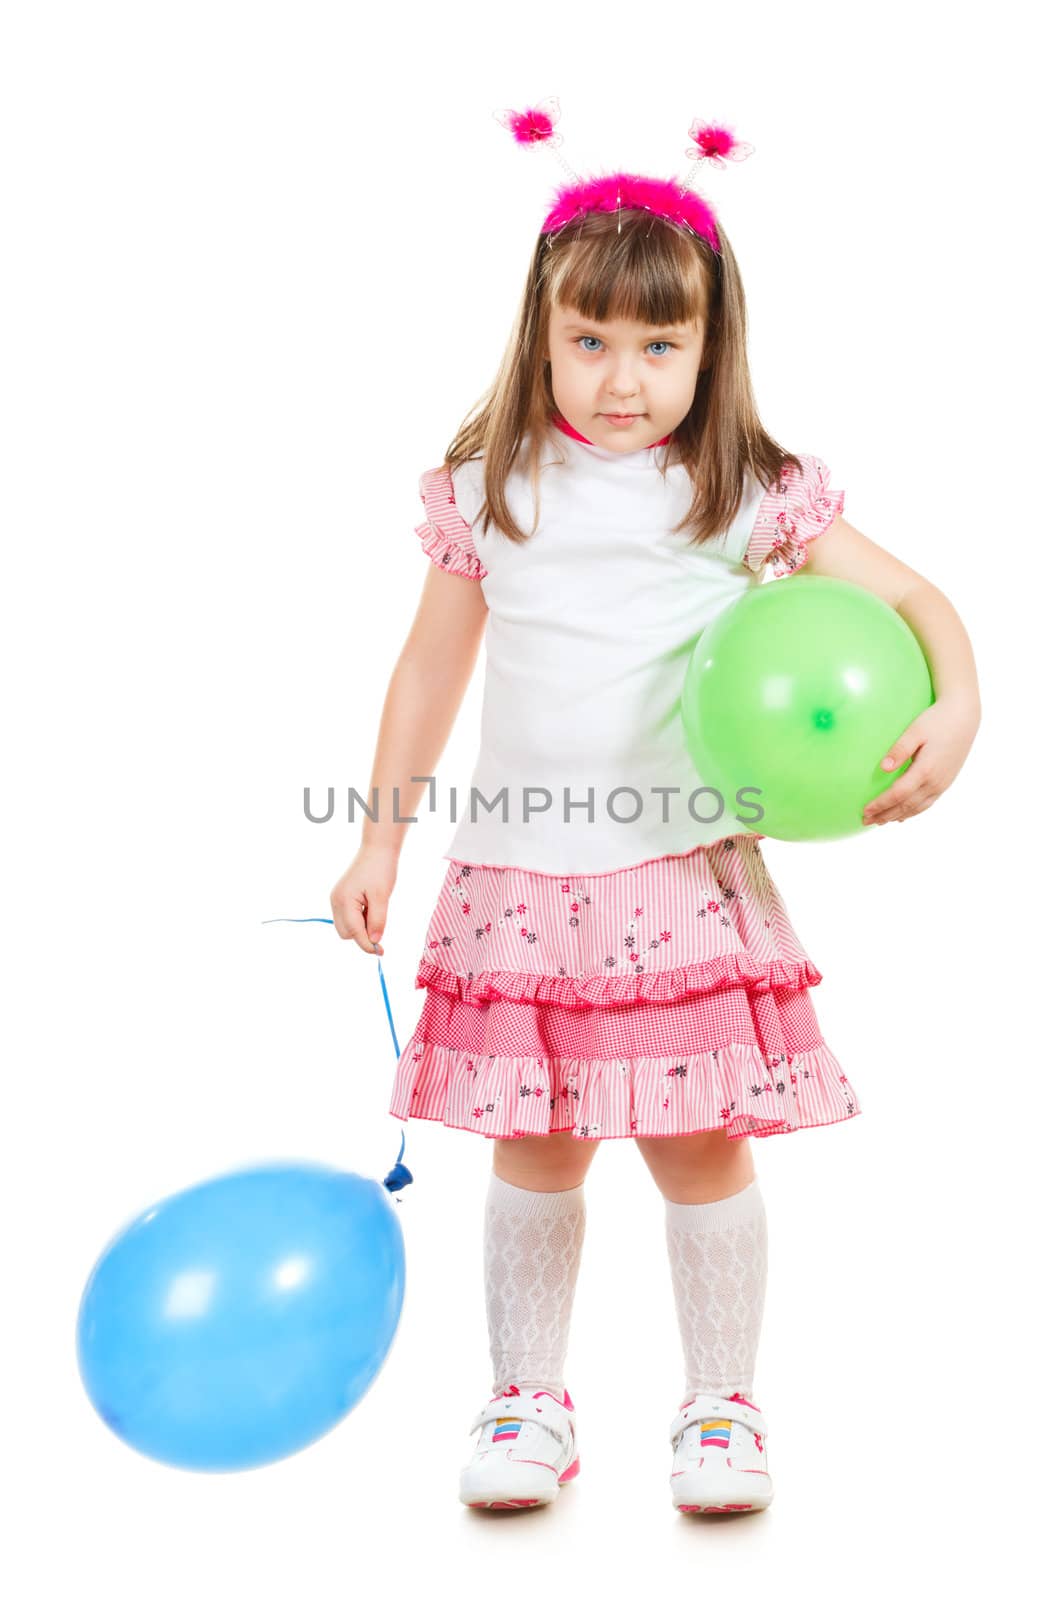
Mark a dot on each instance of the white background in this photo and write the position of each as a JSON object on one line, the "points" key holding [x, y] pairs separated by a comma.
{"points": [[259, 261]]}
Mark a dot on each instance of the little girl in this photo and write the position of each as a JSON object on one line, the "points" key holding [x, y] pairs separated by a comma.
{"points": [[607, 959]]}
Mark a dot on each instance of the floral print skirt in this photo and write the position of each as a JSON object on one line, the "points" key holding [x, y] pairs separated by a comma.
{"points": [[667, 998]]}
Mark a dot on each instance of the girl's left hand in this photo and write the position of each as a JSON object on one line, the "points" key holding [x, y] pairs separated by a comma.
{"points": [[938, 740]]}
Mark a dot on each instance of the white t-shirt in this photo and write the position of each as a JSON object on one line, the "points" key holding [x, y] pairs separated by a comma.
{"points": [[591, 625]]}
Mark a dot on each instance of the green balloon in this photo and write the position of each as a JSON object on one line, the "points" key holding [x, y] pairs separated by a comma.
{"points": [[795, 694]]}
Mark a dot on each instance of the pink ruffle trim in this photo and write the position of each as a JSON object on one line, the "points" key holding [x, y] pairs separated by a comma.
{"points": [[737, 1088], [445, 536], [734, 970], [793, 512]]}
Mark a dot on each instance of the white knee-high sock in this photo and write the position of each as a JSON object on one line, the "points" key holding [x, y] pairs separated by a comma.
{"points": [[718, 1255], [533, 1246]]}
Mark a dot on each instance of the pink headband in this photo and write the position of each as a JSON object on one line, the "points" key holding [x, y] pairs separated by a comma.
{"points": [[614, 190]]}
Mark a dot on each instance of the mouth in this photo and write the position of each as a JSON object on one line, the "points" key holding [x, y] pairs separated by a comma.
{"points": [[621, 416]]}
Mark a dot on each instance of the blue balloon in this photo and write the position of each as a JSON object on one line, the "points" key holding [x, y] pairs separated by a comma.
{"points": [[239, 1320]]}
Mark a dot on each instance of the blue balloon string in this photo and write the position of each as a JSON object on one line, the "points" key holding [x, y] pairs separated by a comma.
{"points": [[399, 1175]]}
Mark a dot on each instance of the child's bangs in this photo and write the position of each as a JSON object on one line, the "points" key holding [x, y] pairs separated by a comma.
{"points": [[650, 273]]}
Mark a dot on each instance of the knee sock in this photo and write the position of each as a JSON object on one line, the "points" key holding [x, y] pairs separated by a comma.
{"points": [[533, 1245], [718, 1254]]}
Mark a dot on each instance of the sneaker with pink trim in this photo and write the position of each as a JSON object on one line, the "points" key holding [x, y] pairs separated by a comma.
{"points": [[526, 1450], [719, 1455]]}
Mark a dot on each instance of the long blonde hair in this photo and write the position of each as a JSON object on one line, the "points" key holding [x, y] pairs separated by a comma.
{"points": [[652, 272]]}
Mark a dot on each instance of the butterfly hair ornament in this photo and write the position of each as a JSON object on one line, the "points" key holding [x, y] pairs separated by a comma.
{"points": [[677, 202]]}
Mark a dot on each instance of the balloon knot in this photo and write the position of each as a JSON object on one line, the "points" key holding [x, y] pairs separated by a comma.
{"points": [[398, 1176]]}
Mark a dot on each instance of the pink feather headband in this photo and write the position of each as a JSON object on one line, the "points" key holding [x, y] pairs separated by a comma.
{"points": [[614, 190]]}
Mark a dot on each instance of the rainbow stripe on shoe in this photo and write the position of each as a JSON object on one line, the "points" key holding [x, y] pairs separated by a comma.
{"points": [[506, 1428], [716, 1431]]}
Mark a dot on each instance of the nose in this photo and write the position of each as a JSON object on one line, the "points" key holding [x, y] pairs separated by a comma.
{"points": [[622, 385], [622, 382]]}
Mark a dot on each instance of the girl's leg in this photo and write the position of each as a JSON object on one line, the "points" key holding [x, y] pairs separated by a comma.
{"points": [[717, 1243], [695, 1168], [535, 1226]]}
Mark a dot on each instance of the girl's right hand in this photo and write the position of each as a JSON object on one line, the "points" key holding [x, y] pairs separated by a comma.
{"points": [[360, 898]]}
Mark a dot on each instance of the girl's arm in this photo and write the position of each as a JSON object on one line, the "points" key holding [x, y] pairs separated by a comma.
{"points": [[425, 692], [938, 740]]}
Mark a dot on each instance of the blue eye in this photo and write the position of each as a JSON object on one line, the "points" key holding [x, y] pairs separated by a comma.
{"points": [[593, 337]]}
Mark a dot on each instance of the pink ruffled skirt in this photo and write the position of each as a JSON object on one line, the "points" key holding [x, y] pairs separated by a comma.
{"points": [[667, 998]]}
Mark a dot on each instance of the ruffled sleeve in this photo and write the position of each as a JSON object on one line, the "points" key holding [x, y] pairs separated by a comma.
{"points": [[445, 536], [793, 511]]}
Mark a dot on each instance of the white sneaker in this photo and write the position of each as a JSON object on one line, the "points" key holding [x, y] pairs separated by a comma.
{"points": [[527, 1449], [719, 1455]]}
